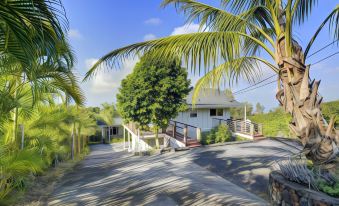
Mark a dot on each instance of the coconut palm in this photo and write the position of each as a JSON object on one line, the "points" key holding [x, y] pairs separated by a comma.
{"points": [[31, 27], [234, 39]]}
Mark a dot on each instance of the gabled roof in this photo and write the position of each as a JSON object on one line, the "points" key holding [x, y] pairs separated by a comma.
{"points": [[212, 98]]}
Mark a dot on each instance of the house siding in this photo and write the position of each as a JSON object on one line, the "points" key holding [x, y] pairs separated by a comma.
{"points": [[203, 119]]}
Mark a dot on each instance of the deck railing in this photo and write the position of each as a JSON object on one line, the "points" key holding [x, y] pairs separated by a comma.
{"points": [[240, 126], [183, 132]]}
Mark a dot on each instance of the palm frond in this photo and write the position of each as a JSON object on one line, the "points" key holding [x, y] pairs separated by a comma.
{"points": [[247, 68], [333, 21], [196, 49], [215, 19], [302, 9]]}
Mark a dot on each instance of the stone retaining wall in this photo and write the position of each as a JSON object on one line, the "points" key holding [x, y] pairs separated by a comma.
{"points": [[285, 192]]}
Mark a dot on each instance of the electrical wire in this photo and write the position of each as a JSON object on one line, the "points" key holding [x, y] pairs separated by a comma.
{"points": [[247, 89], [325, 58], [323, 48], [255, 83]]}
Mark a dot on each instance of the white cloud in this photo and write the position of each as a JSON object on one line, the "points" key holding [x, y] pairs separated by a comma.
{"points": [[186, 29], [153, 21], [74, 34], [149, 37], [107, 82]]}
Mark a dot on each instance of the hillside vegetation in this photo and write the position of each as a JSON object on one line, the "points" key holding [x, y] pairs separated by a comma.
{"points": [[275, 122]]}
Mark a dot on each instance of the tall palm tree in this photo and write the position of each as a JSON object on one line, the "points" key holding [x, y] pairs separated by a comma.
{"points": [[231, 41]]}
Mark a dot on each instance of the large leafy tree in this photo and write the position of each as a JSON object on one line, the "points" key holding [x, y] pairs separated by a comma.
{"points": [[153, 94], [239, 35]]}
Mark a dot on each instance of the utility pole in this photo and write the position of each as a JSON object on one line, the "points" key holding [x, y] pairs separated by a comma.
{"points": [[245, 115]]}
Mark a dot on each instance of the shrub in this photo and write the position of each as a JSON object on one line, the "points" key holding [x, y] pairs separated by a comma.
{"points": [[328, 189], [275, 123], [216, 135], [222, 134]]}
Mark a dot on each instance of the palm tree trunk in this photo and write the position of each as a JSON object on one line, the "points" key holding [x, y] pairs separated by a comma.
{"points": [[299, 96], [73, 141], [16, 115], [79, 139]]}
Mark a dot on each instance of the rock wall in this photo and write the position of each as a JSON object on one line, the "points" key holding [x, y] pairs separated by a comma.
{"points": [[285, 192]]}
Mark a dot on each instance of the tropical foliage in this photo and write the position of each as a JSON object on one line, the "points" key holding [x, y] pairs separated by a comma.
{"points": [[38, 125], [275, 123], [234, 40], [153, 94], [218, 134]]}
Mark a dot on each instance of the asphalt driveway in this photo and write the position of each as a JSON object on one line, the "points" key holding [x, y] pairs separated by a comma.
{"points": [[223, 175]]}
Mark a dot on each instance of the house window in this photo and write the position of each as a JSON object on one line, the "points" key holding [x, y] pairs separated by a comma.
{"points": [[216, 112], [115, 130], [193, 114], [220, 112]]}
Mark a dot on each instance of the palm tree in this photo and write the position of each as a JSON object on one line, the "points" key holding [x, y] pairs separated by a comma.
{"points": [[233, 38], [40, 83], [31, 27]]}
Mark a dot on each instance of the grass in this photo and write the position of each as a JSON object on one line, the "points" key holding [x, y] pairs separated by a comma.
{"points": [[117, 139]]}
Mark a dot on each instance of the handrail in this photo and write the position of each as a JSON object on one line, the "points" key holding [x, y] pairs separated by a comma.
{"points": [[183, 124], [241, 126]]}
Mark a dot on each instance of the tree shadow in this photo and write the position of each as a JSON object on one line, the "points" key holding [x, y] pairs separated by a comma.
{"points": [[251, 171], [169, 179]]}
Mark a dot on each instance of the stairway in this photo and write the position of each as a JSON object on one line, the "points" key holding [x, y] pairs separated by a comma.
{"points": [[192, 143], [258, 137]]}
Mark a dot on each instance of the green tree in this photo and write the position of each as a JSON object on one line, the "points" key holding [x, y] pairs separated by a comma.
{"points": [[239, 112], [259, 109], [153, 93], [241, 35]]}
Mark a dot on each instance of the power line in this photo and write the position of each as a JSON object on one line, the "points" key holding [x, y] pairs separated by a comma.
{"points": [[244, 90], [257, 87], [255, 84], [247, 89], [323, 48], [326, 58]]}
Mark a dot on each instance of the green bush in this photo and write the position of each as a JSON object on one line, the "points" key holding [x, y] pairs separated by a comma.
{"points": [[275, 123], [328, 189], [330, 109], [218, 134]]}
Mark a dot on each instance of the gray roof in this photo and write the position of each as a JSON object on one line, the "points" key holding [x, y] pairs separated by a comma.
{"points": [[212, 98]]}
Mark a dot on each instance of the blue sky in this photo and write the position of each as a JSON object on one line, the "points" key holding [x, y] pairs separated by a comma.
{"points": [[97, 28]]}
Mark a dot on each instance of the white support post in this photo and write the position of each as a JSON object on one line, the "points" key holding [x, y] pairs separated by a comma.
{"points": [[129, 141], [138, 141], [124, 137], [102, 134], [198, 134], [185, 135], [245, 117], [109, 135]]}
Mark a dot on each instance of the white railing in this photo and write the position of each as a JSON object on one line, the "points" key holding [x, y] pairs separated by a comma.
{"points": [[240, 126]]}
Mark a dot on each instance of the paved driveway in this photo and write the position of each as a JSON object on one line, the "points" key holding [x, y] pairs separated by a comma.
{"points": [[223, 175]]}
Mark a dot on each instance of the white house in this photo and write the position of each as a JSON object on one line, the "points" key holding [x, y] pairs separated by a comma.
{"points": [[210, 104], [211, 108], [112, 131]]}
